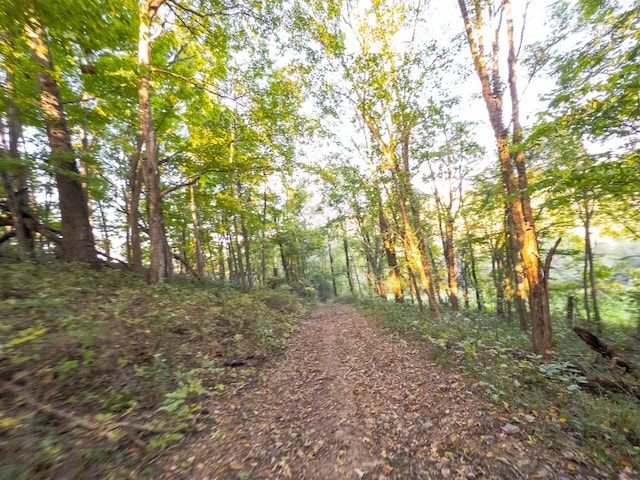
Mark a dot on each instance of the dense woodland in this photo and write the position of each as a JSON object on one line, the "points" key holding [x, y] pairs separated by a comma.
{"points": [[472, 159]]}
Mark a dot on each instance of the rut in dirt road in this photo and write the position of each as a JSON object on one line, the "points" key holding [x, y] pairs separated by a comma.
{"points": [[348, 402]]}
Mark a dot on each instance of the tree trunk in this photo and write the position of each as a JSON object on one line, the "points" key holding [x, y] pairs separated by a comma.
{"points": [[413, 225], [476, 284], [15, 179], [77, 236], [238, 257], [196, 232], [345, 244], [498, 282], [105, 230], [588, 256], [263, 253], [520, 298], [246, 243], [570, 311], [392, 261], [160, 264], [132, 199], [517, 194], [331, 267]]}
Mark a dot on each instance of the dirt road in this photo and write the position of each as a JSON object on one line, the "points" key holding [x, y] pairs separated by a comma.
{"points": [[347, 401]]}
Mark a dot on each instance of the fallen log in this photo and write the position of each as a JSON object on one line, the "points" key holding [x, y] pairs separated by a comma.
{"points": [[600, 385], [615, 358]]}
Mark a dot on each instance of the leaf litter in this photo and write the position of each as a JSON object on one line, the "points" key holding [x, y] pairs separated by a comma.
{"points": [[348, 401]]}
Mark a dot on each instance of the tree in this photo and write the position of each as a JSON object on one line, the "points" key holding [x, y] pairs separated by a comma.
{"points": [[450, 161], [160, 263], [77, 236], [511, 156], [14, 174]]}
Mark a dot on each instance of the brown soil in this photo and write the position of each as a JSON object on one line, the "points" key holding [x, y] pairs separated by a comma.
{"points": [[347, 401]]}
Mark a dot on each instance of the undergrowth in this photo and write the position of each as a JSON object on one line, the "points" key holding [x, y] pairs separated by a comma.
{"points": [[547, 400], [101, 371]]}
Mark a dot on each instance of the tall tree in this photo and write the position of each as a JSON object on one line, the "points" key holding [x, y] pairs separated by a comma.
{"points": [[160, 264], [14, 172], [77, 236], [489, 18]]}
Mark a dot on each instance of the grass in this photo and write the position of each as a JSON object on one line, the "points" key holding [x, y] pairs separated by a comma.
{"points": [[86, 353], [494, 354]]}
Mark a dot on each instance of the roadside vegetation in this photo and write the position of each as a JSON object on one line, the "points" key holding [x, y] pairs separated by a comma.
{"points": [[101, 372], [562, 403]]}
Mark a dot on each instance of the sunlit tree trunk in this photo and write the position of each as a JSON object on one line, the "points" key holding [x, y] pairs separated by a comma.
{"points": [[518, 200], [446, 222], [415, 238], [390, 252], [77, 237], [520, 297]]}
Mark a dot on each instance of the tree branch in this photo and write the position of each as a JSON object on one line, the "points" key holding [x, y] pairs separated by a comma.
{"points": [[547, 262], [193, 82]]}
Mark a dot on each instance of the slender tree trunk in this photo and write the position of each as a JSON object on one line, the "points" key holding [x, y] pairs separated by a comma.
{"points": [[414, 288], [465, 285], [15, 180], [77, 237], [392, 261], [413, 225], [85, 169], [451, 264], [476, 284], [570, 311], [518, 197], [345, 244], [332, 268], [196, 232], [160, 264], [236, 241], [221, 267], [133, 213], [231, 260], [590, 275], [246, 243], [263, 246], [105, 230]]}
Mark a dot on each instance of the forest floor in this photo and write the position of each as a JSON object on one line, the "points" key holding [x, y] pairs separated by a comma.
{"points": [[349, 401]]}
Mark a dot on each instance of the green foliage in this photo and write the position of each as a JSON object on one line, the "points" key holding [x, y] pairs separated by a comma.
{"points": [[523, 389], [105, 345]]}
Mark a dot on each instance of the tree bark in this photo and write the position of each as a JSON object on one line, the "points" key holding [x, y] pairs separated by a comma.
{"points": [[77, 237], [160, 264]]}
